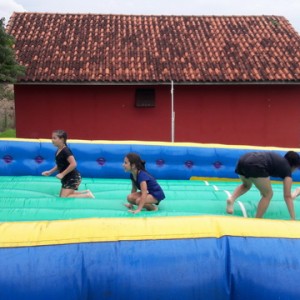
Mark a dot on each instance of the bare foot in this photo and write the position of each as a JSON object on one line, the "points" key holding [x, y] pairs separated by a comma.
{"points": [[128, 205], [90, 194], [229, 207]]}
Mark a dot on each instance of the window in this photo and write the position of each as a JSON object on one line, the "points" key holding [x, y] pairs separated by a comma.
{"points": [[145, 98]]}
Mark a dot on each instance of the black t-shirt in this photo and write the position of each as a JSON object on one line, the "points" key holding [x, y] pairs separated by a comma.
{"points": [[263, 164], [62, 160]]}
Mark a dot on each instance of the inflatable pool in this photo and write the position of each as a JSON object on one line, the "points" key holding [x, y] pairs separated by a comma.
{"points": [[54, 248]]}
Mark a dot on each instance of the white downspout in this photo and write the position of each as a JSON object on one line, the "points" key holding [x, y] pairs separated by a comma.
{"points": [[172, 113]]}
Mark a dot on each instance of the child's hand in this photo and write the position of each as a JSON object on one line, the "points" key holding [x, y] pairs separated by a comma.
{"points": [[46, 173], [134, 211], [59, 176], [296, 193]]}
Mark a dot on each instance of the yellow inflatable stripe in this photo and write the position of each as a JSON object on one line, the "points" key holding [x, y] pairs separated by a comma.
{"points": [[19, 234], [157, 143]]}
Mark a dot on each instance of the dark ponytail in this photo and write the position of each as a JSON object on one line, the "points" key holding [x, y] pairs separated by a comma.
{"points": [[136, 160], [62, 135], [293, 158]]}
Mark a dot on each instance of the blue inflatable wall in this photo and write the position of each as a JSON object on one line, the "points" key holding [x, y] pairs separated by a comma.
{"points": [[184, 257], [100, 159]]}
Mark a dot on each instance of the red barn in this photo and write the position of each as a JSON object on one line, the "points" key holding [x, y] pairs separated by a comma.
{"points": [[207, 79]]}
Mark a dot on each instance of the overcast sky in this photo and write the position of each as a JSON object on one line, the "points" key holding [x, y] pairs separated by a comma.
{"points": [[290, 9]]}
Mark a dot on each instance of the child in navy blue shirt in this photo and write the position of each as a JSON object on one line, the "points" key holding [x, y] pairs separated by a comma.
{"points": [[150, 193]]}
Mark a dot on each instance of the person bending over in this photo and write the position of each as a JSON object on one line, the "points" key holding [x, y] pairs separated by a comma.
{"points": [[256, 168]]}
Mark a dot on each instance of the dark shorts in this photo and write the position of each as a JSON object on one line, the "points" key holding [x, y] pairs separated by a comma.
{"points": [[157, 203], [250, 165], [71, 182], [159, 196]]}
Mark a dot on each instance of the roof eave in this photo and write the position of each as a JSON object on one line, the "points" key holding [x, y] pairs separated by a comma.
{"points": [[159, 83]]}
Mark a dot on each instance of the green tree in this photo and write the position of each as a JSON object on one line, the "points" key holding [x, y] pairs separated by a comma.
{"points": [[10, 70]]}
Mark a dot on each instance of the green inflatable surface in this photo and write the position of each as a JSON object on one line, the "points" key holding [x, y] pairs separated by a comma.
{"points": [[32, 198]]}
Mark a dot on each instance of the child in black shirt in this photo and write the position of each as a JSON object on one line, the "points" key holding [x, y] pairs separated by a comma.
{"points": [[66, 167]]}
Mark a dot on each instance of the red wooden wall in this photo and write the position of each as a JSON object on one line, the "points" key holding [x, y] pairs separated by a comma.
{"points": [[262, 115]]}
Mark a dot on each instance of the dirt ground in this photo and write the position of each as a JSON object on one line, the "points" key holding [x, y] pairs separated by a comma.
{"points": [[7, 110]]}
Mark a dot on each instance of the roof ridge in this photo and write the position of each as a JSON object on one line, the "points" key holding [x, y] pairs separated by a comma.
{"points": [[155, 15]]}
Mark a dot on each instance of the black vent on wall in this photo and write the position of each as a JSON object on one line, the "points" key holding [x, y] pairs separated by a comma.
{"points": [[145, 98]]}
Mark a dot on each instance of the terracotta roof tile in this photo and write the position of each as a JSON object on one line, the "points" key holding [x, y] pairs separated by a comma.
{"points": [[120, 48]]}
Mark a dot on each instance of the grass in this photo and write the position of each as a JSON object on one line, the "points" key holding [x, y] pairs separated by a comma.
{"points": [[8, 133]]}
